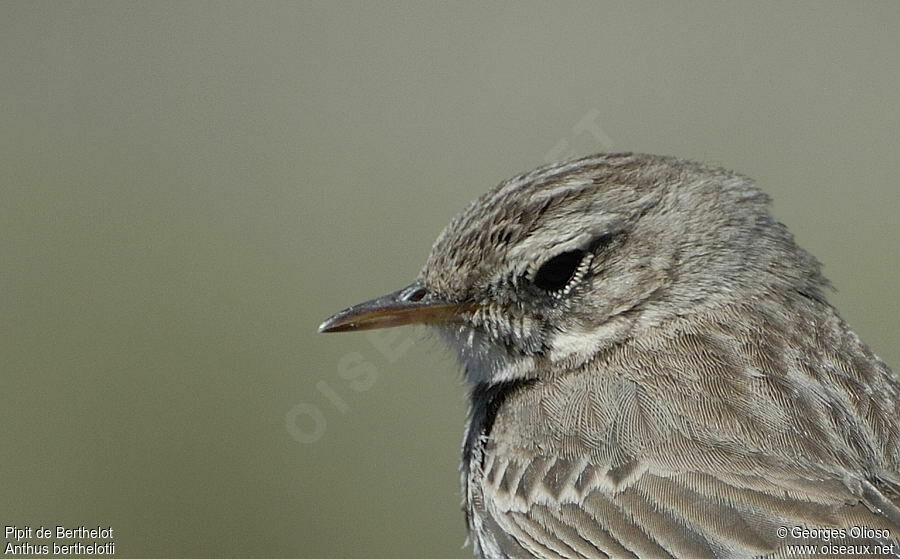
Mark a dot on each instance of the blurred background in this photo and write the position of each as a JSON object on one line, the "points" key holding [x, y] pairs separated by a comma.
{"points": [[189, 188]]}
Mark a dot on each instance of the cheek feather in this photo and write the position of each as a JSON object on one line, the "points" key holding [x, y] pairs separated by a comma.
{"points": [[580, 344], [573, 342]]}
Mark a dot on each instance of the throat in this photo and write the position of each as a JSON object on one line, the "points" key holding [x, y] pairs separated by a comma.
{"points": [[485, 361]]}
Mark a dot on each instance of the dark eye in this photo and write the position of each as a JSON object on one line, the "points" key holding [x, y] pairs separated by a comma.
{"points": [[556, 273]]}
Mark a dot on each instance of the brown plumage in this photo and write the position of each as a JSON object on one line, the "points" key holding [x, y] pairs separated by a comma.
{"points": [[655, 372]]}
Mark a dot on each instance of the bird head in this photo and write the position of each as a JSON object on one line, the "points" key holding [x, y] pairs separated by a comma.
{"points": [[554, 266]]}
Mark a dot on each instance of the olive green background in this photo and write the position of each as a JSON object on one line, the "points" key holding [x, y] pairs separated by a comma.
{"points": [[187, 189]]}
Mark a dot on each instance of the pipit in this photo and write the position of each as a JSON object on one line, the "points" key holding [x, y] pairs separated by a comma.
{"points": [[655, 372]]}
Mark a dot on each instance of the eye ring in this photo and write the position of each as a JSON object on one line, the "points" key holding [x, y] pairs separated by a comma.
{"points": [[560, 273]]}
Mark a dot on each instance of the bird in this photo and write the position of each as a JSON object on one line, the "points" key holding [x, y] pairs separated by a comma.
{"points": [[654, 371]]}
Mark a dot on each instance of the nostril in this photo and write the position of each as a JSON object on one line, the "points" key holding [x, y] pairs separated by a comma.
{"points": [[414, 294]]}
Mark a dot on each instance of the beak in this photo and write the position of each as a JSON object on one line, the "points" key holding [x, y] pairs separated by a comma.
{"points": [[411, 305]]}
